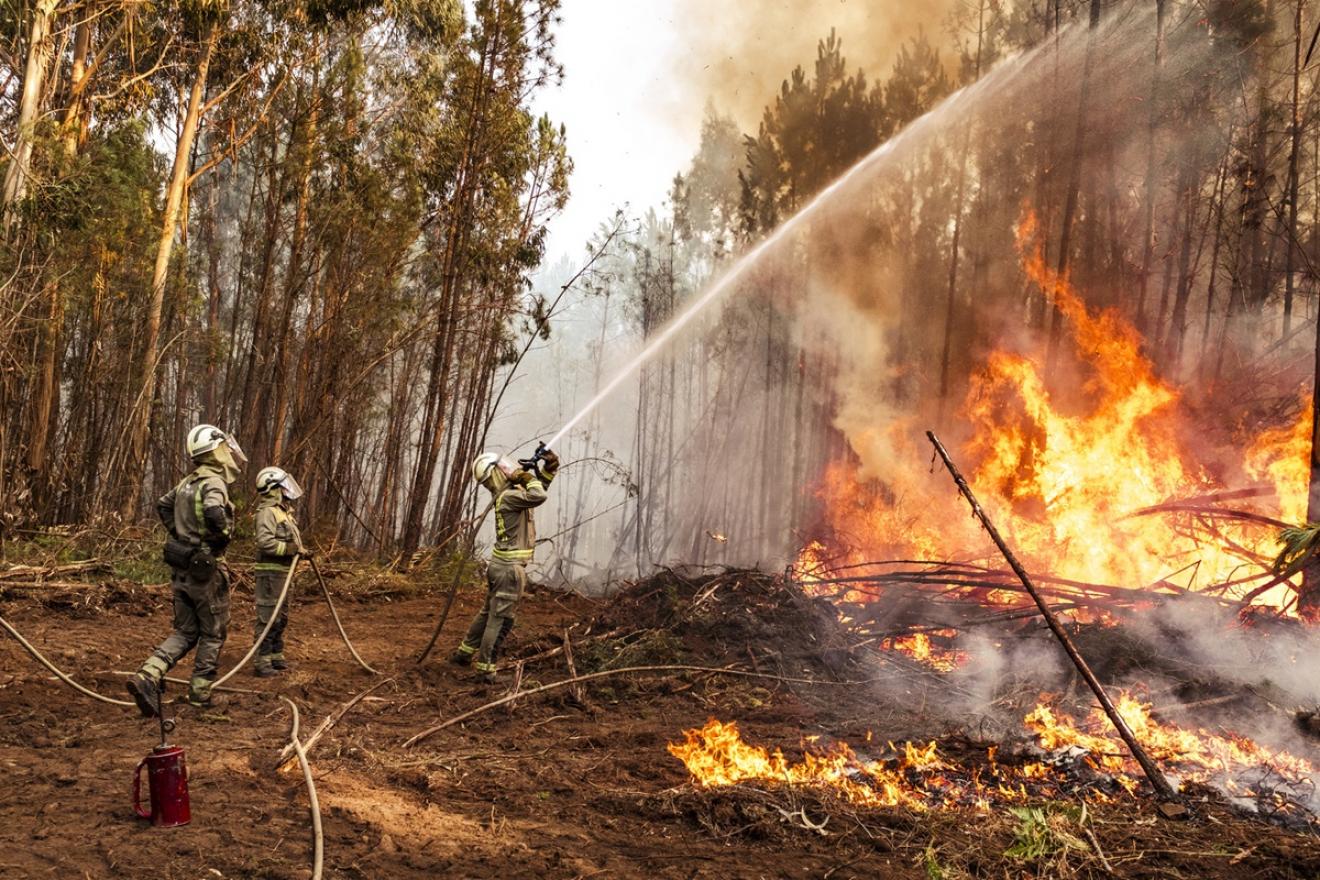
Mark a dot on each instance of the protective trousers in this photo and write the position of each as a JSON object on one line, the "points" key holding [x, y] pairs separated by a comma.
{"points": [[201, 620], [504, 587], [269, 584]]}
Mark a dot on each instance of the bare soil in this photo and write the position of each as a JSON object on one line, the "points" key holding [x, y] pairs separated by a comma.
{"points": [[550, 788]]}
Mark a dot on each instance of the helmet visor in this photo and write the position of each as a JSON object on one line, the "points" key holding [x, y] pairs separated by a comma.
{"points": [[507, 467], [289, 486], [239, 456]]}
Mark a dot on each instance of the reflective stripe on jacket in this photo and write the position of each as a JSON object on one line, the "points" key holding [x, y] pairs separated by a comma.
{"points": [[515, 531], [187, 503], [278, 538]]}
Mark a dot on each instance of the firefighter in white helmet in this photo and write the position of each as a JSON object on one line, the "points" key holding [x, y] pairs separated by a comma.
{"points": [[199, 518], [278, 540], [516, 492]]}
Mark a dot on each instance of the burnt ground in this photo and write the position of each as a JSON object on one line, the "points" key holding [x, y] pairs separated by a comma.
{"points": [[551, 788]]}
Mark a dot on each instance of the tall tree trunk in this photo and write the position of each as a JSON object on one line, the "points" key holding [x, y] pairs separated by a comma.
{"points": [[1294, 148], [1074, 180], [951, 302], [29, 109], [140, 413], [1148, 234]]}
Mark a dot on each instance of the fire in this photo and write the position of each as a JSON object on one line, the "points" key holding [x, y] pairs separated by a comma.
{"points": [[716, 755], [918, 647], [810, 566], [1065, 474], [919, 777], [1194, 755]]}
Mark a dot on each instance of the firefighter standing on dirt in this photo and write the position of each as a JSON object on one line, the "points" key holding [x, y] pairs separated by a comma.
{"points": [[199, 518], [516, 491], [278, 540]]}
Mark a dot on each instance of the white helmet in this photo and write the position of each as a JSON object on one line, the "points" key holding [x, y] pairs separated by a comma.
{"points": [[206, 438], [273, 478], [487, 466]]}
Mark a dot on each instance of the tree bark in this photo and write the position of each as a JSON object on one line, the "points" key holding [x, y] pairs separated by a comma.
{"points": [[140, 413], [1296, 132], [29, 109], [1148, 235], [1074, 181]]}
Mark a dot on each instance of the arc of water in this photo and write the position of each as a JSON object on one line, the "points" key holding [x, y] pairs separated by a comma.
{"points": [[730, 276]]}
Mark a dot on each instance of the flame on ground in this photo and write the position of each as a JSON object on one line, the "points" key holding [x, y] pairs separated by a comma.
{"points": [[918, 647], [1081, 757]]}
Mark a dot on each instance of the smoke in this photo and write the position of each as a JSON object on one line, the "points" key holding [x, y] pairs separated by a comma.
{"points": [[737, 53]]}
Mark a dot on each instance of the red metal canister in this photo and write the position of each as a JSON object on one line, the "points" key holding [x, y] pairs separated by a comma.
{"points": [[167, 781]]}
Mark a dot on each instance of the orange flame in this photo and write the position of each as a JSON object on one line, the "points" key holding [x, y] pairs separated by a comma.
{"points": [[920, 777], [918, 647], [1066, 476]]}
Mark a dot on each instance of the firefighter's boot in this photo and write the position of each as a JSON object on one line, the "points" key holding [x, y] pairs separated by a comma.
{"points": [[144, 686], [201, 697], [486, 672], [263, 668]]}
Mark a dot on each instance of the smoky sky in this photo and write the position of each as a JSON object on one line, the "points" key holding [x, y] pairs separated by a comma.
{"points": [[734, 55]]}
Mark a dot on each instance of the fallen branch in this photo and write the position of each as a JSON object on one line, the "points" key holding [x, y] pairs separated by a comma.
{"points": [[227, 688], [555, 652], [44, 571], [1157, 780], [329, 722], [453, 586], [717, 670], [318, 839]]}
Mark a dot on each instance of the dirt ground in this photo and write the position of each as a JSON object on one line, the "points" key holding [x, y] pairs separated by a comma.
{"points": [[550, 788]]}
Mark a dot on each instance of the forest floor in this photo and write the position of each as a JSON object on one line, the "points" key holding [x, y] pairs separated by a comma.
{"points": [[553, 787]]}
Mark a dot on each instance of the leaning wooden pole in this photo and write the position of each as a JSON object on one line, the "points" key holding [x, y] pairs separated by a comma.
{"points": [[1157, 780]]}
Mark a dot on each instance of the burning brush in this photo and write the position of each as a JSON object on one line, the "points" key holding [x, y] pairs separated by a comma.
{"points": [[1066, 758]]}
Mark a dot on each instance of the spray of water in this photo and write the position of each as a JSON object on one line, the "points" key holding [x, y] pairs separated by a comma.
{"points": [[954, 103]]}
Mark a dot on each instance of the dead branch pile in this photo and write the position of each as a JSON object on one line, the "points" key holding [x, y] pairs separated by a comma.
{"points": [[759, 621]]}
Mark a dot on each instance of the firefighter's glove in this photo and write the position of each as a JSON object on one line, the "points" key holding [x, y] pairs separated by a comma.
{"points": [[548, 465], [306, 553], [521, 478]]}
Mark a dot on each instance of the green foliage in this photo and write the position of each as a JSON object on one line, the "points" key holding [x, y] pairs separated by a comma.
{"points": [[1297, 548], [1044, 833], [930, 861]]}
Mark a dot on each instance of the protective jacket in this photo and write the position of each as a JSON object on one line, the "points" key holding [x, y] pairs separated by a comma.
{"points": [[278, 538], [198, 511], [515, 531]]}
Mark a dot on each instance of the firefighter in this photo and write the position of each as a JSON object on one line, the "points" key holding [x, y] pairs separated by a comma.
{"points": [[516, 491], [199, 518], [278, 540]]}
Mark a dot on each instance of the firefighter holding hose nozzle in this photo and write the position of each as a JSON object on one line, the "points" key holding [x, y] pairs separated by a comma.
{"points": [[278, 540], [516, 490], [199, 518]]}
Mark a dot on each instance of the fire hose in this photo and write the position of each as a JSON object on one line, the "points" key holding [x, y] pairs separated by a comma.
{"points": [[325, 591], [27, 646], [274, 615], [318, 837], [453, 586]]}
